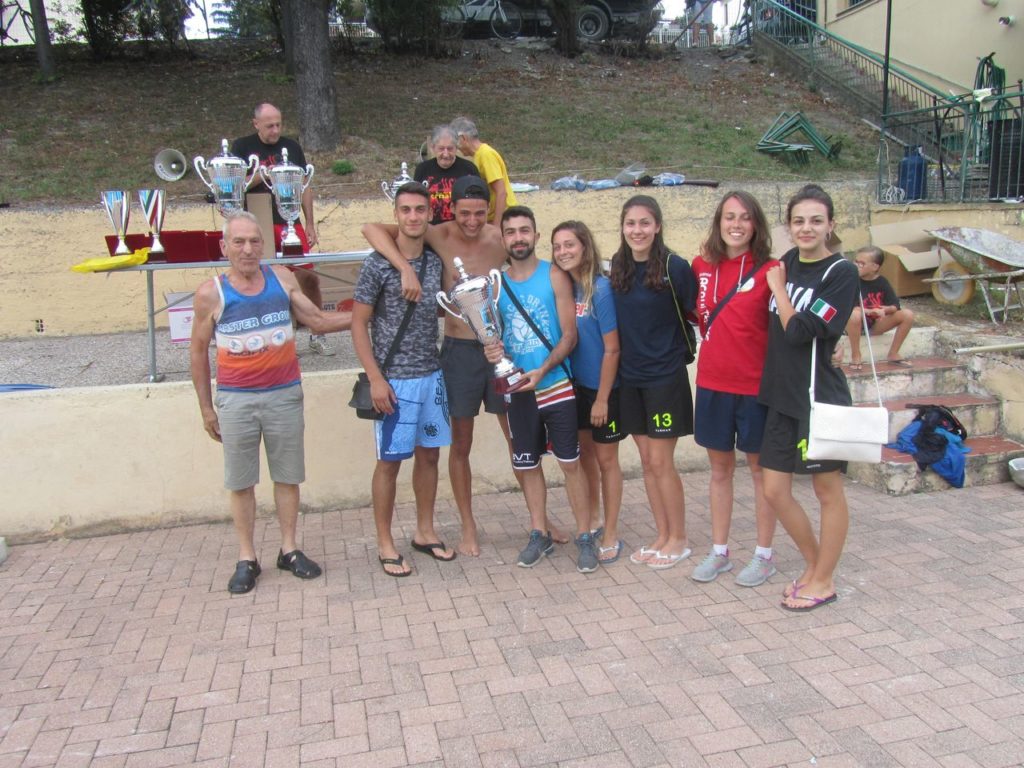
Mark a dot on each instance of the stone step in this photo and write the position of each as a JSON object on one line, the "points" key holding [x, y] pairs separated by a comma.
{"points": [[920, 342], [980, 414], [927, 376], [898, 475]]}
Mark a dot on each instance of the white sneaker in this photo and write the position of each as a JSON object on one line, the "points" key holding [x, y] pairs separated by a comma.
{"points": [[319, 345]]}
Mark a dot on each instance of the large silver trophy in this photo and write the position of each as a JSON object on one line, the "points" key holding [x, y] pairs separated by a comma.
{"points": [[227, 176], [288, 182], [474, 300], [391, 188], [152, 202], [117, 204]]}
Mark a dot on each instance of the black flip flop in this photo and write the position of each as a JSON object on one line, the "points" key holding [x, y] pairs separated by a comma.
{"points": [[429, 549], [399, 561]]}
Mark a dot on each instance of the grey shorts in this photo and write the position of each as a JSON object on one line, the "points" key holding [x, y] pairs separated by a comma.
{"points": [[469, 379], [276, 417]]}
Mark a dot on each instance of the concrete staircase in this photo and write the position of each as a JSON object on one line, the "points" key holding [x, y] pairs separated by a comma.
{"points": [[931, 380]]}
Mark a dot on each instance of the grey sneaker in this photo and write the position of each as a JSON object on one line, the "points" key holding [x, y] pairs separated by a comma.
{"points": [[319, 344], [757, 572], [712, 566], [538, 547], [586, 560]]}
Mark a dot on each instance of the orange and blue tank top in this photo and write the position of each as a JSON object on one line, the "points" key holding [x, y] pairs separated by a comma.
{"points": [[255, 338]]}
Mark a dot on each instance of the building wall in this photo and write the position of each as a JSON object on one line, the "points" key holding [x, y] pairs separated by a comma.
{"points": [[938, 41]]}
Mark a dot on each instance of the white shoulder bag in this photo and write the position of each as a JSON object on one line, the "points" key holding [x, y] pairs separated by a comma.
{"points": [[846, 432]]}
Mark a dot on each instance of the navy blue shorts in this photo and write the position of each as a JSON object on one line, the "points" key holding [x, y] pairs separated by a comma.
{"points": [[611, 432], [785, 447], [534, 430], [663, 410], [724, 421]]}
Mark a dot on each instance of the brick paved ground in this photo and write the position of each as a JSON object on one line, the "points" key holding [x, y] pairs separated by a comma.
{"points": [[127, 650]]}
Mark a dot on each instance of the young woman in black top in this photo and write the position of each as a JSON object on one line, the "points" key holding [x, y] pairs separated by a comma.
{"points": [[813, 293]]}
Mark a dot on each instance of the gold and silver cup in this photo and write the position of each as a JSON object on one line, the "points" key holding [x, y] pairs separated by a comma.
{"points": [[288, 181], [152, 202], [474, 300], [227, 176]]}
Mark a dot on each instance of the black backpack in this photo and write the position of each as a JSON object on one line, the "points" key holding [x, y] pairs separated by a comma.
{"points": [[933, 416]]}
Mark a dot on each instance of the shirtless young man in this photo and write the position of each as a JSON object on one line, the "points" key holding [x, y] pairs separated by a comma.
{"points": [[468, 375]]}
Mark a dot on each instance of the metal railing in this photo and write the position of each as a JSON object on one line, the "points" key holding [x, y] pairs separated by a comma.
{"points": [[844, 65], [961, 151]]}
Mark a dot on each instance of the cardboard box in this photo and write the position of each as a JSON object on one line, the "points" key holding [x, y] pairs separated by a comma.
{"points": [[338, 284], [259, 205], [179, 316], [782, 242], [910, 254]]}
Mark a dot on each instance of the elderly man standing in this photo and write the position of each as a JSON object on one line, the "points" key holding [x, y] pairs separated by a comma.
{"points": [[267, 144], [249, 309], [489, 163], [440, 172]]}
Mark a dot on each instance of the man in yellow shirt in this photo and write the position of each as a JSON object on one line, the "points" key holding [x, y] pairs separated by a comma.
{"points": [[489, 163]]}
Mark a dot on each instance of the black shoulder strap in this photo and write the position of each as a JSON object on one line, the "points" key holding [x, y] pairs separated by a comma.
{"points": [[729, 295], [529, 321], [687, 330], [405, 321]]}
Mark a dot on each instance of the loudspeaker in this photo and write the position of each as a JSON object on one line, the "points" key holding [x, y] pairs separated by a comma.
{"points": [[170, 164]]}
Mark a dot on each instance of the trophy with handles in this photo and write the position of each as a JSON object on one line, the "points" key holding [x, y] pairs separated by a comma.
{"points": [[390, 189], [117, 204], [474, 300], [152, 202], [227, 176], [288, 181]]}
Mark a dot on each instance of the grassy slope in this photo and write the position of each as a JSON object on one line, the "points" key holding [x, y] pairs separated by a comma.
{"points": [[99, 126]]}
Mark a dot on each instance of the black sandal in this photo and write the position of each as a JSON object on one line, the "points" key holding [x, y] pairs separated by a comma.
{"points": [[399, 561], [430, 549], [299, 564]]}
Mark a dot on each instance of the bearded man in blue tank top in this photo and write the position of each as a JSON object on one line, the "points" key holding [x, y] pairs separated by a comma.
{"points": [[250, 310], [538, 312]]}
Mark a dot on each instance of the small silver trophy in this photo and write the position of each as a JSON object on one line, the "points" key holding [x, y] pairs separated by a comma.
{"points": [[118, 207], [152, 202], [391, 188], [227, 177], [288, 182], [474, 300]]}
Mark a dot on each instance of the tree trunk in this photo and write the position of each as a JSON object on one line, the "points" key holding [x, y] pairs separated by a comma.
{"points": [[44, 50], [563, 17], [314, 75], [287, 10]]}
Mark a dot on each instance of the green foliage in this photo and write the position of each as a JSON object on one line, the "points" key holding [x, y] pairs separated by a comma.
{"points": [[342, 167], [411, 25], [106, 27], [248, 18]]}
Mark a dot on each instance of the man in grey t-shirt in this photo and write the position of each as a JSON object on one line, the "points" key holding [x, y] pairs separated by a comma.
{"points": [[410, 392]]}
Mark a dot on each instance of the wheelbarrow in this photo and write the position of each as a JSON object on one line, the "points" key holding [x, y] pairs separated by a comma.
{"points": [[981, 258]]}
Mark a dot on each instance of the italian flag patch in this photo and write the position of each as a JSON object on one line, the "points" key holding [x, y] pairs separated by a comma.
{"points": [[823, 309]]}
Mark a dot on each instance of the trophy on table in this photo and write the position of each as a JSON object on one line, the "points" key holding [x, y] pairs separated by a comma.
{"points": [[288, 182], [117, 205], [152, 202], [228, 176], [391, 188], [474, 300]]}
